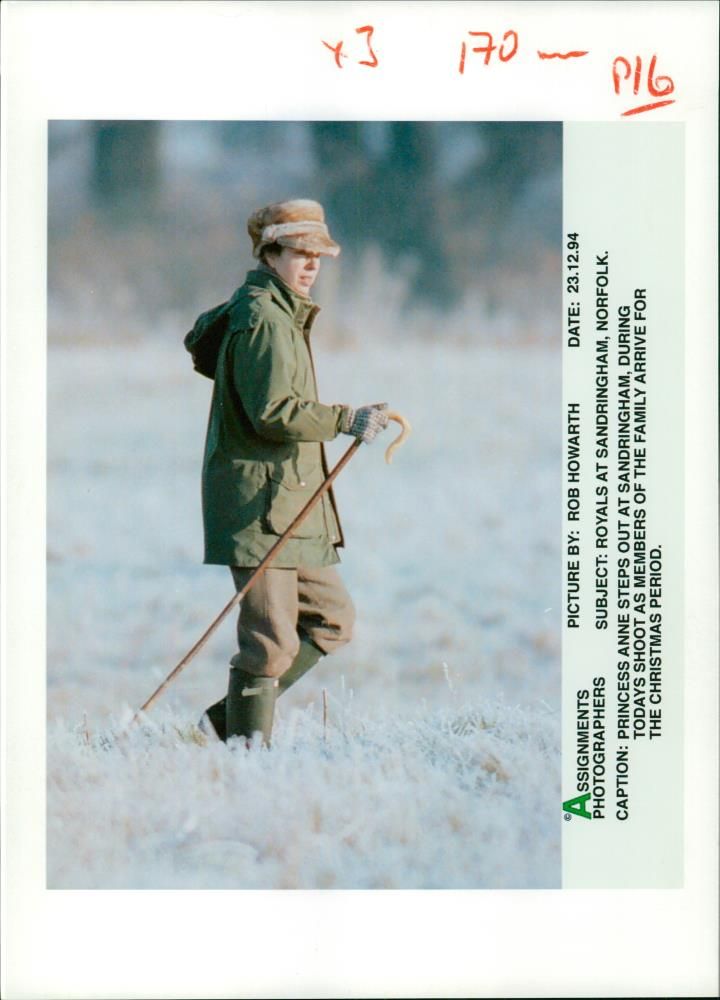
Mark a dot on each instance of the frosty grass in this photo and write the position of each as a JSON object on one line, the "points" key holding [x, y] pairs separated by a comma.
{"points": [[438, 764]]}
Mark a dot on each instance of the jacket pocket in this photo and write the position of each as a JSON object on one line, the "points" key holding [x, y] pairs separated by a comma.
{"points": [[287, 497], [240, 493]]}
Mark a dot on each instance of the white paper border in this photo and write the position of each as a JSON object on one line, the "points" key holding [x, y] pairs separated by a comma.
{"points": [[256, 60]]}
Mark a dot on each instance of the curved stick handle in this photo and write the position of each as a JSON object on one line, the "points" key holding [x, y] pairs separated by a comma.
{"points": [[402, 436]]}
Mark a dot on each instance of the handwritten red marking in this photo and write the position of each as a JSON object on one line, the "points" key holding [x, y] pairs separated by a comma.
{"points": [[461, 67], [562, 55], [489, 47], [368, 29], [508, 57], [653, 84], [337, 49], [636, 78], [647, 107], [657, 86], [621, 60]]}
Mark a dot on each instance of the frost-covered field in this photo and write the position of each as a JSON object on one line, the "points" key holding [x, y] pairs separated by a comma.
{"points": [[438, 764]]}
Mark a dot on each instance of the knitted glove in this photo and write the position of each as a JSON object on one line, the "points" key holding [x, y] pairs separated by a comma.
{"points": [[366, 422]]}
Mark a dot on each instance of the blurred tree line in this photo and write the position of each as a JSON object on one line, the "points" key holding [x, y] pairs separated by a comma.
{"points": [[396, 193]]}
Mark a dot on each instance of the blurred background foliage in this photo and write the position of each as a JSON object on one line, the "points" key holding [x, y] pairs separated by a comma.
{"points": [[449, 229]]}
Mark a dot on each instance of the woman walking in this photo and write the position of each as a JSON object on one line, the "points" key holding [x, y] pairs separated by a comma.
{"points": [[264, 458]]}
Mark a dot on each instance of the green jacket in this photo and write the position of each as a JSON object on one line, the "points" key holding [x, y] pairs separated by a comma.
{"points": [[263, 452]]}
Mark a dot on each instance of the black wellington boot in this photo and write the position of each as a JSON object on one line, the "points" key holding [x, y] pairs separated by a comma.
{"points": [[215, 715], [250, 705], [308, 655]]}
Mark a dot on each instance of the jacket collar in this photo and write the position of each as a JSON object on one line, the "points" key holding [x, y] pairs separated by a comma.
{"points": [[300, 307]]}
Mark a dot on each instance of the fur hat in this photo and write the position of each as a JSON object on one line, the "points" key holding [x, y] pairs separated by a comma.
{"points": [[299, 224]]}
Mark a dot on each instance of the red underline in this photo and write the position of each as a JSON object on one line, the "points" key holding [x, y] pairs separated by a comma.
{"points": [[647, 107]]}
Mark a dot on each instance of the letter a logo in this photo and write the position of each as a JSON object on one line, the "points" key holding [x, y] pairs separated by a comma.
{"points": [[577, 805]]}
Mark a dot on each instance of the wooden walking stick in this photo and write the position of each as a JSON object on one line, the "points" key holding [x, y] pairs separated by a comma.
{"points": [[325, 485]]}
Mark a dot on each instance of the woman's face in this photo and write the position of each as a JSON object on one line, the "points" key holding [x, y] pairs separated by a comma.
{"points": [[297, 268]]}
